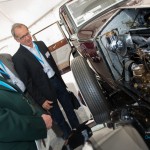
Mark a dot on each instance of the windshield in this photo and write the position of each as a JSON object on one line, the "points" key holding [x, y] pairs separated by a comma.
{"points": [[83, 10]]}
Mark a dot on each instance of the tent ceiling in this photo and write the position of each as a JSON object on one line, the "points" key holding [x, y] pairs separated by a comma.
{"points": [[24, 11]]}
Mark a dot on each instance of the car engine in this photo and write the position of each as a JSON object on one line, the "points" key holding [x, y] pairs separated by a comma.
{"points": [[124, 46], [124, 43]]}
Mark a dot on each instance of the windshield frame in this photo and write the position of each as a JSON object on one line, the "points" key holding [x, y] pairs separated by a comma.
{"points": [[86, 16]]}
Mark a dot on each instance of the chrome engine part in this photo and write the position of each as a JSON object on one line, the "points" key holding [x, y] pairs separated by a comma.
{"points": [[125, 46]]}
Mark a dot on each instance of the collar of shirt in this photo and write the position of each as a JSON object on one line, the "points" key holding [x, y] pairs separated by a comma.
{"points": [[29, 48], [32, 50]]}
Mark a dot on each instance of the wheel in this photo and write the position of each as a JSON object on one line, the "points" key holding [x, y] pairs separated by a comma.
{"points": [[90, 89]]}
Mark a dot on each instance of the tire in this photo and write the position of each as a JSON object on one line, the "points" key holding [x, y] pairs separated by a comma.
{"points": [[90, 89]]}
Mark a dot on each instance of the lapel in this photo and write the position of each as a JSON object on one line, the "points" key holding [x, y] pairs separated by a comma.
{"points": [[6, 89], [28, 101], [7, 60]]}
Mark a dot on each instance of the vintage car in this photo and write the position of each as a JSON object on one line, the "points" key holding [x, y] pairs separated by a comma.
{"points": [[112, 69]]}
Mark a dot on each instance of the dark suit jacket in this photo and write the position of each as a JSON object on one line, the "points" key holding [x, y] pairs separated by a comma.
{"points": [[31, 71], [18, 126]]}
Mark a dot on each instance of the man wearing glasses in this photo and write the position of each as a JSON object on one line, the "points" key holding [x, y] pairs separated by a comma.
{"points": [[33, 61]]}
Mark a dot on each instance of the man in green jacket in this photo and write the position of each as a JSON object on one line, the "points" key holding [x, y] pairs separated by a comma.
{"points": [[21, 122]]}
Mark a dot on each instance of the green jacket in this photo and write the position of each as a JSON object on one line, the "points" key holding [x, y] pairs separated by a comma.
{"points": [[20, 121]]}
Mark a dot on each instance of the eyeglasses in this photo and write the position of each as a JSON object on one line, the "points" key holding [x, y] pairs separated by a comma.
{"points": [[24, 36]]}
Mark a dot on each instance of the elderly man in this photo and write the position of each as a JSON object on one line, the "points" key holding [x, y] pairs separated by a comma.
{"points": [[21, 123], [8, 72]]}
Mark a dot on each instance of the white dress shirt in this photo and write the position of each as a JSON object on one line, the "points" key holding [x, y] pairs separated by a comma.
{"points": [[46, 67]]}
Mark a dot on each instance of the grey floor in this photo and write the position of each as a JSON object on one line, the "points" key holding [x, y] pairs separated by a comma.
{"points": [[56, 143], [103, 138]]}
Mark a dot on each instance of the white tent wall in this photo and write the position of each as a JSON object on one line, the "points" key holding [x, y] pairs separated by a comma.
{"points": [[9, 45]]}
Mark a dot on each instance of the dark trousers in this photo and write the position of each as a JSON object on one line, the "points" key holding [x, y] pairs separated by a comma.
{"points": [[65, 100]]}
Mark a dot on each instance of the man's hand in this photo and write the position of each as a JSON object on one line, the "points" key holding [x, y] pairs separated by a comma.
{"points": [[48, 120], [47, 105]]}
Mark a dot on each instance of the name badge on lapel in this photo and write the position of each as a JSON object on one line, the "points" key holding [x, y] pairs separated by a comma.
{"points": [[47, 54]]}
